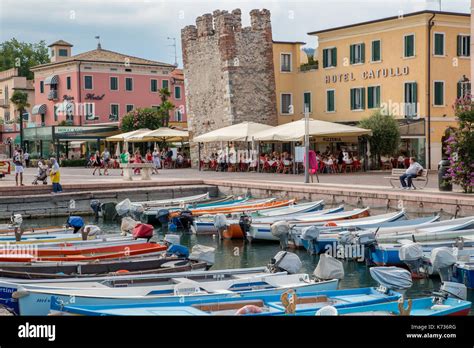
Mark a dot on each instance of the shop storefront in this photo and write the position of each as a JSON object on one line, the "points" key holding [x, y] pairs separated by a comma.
{"points": [[66, 141]]}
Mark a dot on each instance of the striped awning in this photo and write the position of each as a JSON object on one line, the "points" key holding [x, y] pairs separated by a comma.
{"points": [[51, 80], [38, 109]]}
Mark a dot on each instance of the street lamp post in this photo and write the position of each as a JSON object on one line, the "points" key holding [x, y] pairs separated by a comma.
{"points": [[306, 143]]}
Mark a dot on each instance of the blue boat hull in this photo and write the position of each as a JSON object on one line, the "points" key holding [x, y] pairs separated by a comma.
{"points": [[464, 274]]}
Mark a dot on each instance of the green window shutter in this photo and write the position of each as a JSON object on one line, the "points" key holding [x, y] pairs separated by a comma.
{"points": [[334, 57], [468, 39], [415, 93], [409, 46], [325, 58], [438, 97], [375, 51], [439, 44], [459, 89], [352, 99], [362, 93], [307, 101], [370, 97], [459, 46], [362, 53], [352, 54], [377, 97], [330, 101]]}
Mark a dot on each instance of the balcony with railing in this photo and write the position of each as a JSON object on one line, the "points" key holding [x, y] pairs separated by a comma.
{"points": [[53, 95], [4, 103]]}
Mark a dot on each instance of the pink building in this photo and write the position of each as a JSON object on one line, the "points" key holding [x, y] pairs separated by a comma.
{"points": [[100, 87]]}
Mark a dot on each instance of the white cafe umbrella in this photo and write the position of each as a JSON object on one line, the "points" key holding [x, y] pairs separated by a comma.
{"points": [[295, 131], [237, 132]]}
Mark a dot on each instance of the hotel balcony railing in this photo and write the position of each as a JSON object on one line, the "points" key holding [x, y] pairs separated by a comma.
{"points": [[53, 95], [308, 67]]}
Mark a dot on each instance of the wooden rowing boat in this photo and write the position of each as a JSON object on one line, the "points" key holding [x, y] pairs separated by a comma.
{"points": [[37, 230], [175, 201], [240, 208], [83, 254]]}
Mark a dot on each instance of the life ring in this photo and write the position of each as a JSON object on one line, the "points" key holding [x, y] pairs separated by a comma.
{"points": [[330, 224], [248, 309]]}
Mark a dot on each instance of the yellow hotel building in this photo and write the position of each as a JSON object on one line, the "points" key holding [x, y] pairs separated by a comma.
{"points": [[412, 66]]}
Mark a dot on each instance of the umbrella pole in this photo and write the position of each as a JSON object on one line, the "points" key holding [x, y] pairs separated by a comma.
{"points": [[258, 157], [199, 156], [306, 144]]}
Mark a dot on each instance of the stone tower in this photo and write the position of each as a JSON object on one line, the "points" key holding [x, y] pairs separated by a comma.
{"points": [[229, 73]]}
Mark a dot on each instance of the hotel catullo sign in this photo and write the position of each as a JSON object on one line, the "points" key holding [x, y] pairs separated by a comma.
{"points": [[368, 74]]}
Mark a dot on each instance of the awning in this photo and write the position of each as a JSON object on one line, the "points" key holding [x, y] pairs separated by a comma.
{"points": [[295, 131], [124, 136], [38, 109], [160, 134], [51, 80], [237, 132]]}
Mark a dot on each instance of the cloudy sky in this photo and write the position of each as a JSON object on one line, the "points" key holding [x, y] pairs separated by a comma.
{"points": [[142, 27]]}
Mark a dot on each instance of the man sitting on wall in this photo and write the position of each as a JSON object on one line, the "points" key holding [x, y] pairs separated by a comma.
{"points": [[413, 171]]}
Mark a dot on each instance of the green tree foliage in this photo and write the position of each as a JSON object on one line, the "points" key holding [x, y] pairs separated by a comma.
{"points": [[20, 100], [166, 106], [142, 118], [385, 137], [22, 55]]}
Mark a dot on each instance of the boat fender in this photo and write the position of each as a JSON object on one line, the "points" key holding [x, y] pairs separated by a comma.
{"points": [[327, 311], [122, 271], [249, 309], [20, 293], [330, 224]]}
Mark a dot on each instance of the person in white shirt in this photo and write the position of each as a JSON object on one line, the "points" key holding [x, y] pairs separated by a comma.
{"points": [[412, 172]]}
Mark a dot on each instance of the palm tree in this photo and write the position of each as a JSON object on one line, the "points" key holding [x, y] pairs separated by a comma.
{"points": [[166, 106], [20, 100]]}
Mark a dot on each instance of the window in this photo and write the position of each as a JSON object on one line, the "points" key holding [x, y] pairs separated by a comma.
{"points": [[89, 111], [357, 98], [438, 44], [62, 52], [286, 104], [153, 85], [41, 86], [330, 101], [88, 82], [177, 92], [373, 97], [68, 82], [128, 84], [128, 70], [438, 93], [285, 62], [376, 51], [329, 57], [129, 107], [114, 112], [463, 88], [114, 83], [409, 46], [411, 99], [464, 46], [357, 53], [178, 116], [165, 84], [307, 101]]}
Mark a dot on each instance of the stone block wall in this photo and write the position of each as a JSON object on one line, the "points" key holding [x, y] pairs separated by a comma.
{"points": [[229, 73]]}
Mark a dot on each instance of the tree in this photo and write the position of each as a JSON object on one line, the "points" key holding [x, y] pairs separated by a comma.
{"points": [[166, 106], [460, 146], [20, 100], [385, 137], [142, 118], [22, 55]]}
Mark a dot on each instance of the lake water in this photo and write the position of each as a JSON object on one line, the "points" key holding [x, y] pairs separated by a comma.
{"points": [[240, 254]]}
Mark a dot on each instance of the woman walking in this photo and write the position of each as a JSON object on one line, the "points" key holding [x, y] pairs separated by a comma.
{"points": [[156, 160], [96, 163]]}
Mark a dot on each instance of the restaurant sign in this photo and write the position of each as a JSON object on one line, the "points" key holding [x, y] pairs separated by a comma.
{"points": [[330, 139], [368, 74]]}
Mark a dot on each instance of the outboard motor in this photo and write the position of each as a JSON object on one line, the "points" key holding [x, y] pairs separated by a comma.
{"points": [[109, 212], [123, 208], [328, 268], [96, 207], [16, 220], [281, 230], [245, 222], [183, 221], [285, 261], [143, 231], [203, 253], [412, 255], [76, 222], [311, 234], [163, 216], [127, 225], [391, 278], [90, 230], [442, 261], [136, 211], [220, 223], [450, 289]]}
